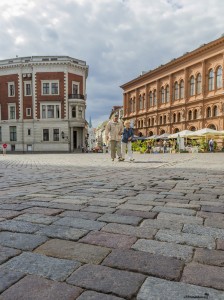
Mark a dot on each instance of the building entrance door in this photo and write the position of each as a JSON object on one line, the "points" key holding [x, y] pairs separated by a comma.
{"points": [[74, 139]]}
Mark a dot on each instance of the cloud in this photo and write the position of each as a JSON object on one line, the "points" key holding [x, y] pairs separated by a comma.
{"points": [[118, 39]]}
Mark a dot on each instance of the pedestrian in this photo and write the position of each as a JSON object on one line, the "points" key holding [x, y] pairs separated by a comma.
{"points": [[211, 145], [104, 148], [127, 137], [4, 147], [113, 133], [164, 146]]}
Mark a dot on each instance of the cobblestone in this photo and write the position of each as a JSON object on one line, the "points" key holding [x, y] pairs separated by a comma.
{"points": [[78, 226]]}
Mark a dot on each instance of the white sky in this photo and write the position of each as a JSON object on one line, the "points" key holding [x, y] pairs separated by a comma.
{"points": [[117, 38]]}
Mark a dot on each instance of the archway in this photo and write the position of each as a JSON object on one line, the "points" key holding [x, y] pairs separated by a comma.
{"points": [[162, 131], [176, 130], [212, 126], [192, 128]]}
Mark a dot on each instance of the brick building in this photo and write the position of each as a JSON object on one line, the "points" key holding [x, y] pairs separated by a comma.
{"points": [[42, 103], [185, 93]]}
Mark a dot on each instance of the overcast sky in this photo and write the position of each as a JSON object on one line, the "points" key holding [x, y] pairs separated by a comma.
{"points": [[118, 39]]}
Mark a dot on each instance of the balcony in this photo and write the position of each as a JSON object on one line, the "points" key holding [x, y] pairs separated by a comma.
{"points": [[76, 96]]}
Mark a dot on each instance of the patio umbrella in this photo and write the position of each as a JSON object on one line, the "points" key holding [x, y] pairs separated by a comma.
{"points": [[163, 136], [152, 137], [183, 133]]}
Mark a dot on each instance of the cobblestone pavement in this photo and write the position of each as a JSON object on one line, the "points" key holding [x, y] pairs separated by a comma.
{"points": [[79, 226]]}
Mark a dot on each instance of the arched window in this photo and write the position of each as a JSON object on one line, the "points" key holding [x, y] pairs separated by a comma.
{"points": [[176, 130], [174, 118], [208, 112], [176, 91], [192, 86], [160, 120], [162, 95], [154, 98], [150, 133], [152, 121], [195, 114], [215, 111], [198, 84], [212, 126], [219, 78], [164, 120], [211, 80], [134, 104], [192, 128], [178, 117], [141, 123], [181, 89], [150, 99], [162, 132], [149, 122], [167, 95], [130, 105], [190, 115], [140, 102]]}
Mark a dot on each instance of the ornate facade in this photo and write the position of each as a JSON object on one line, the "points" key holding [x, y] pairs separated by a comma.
{"points": [[42, 103], [185, 93]]}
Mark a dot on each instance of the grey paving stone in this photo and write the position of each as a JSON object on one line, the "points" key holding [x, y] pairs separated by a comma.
{"points": [[6, 253], [186, 238], [180, 219], [183, 205], [174, 210], [145, 202], [212, 222], [62, 232], [107, 280], [22, 241], [109, 240], [80, 223], [204, 275], [19, 226], [146, 263], [91, 295], [16, 207], [37, 264], [36, 218], [135, 207], [66, 206], [204, 230], [9, 214], [99, 209], [43, 211], [72, 250], [160, 224], [220, 244], [209, 257], [130, 230], [137, 213], [215, 209], [7, 278], [37, 288], [115, 218], [160, 289], [80, 215], [163, 248]]}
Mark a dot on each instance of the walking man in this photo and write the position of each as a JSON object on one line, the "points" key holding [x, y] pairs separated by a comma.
{"points": [[113, 133]]}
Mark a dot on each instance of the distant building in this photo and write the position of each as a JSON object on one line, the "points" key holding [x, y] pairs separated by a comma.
{"points": [[42, 103], [91, 136], [185, 93]]}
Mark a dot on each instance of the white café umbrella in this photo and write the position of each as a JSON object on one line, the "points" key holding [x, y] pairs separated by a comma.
{"points": [[205, 132], [183, 133]]}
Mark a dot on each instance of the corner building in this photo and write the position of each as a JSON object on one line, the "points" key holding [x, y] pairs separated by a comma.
{"points": [[42, 103], [186, 93]]}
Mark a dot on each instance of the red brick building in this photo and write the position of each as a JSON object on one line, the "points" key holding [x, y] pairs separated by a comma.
{"points": [[185, 93], [42, 103]]}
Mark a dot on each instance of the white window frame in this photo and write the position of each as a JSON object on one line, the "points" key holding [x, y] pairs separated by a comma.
{"points": [[50, 82], [28, 112], [9, 106], [52, 103], [25, 91], [78, 84], [14, 92]]}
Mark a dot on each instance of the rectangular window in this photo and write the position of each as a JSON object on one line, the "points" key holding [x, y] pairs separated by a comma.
{"points": [[28, 131], [75, 88], [0, 134], [11, 89], [12, 133], [46, 88], [56, 135], [28, 112], [27, 89], [45, 135], [50, 87], [50, 111], [54, 88], [12, 111]]}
